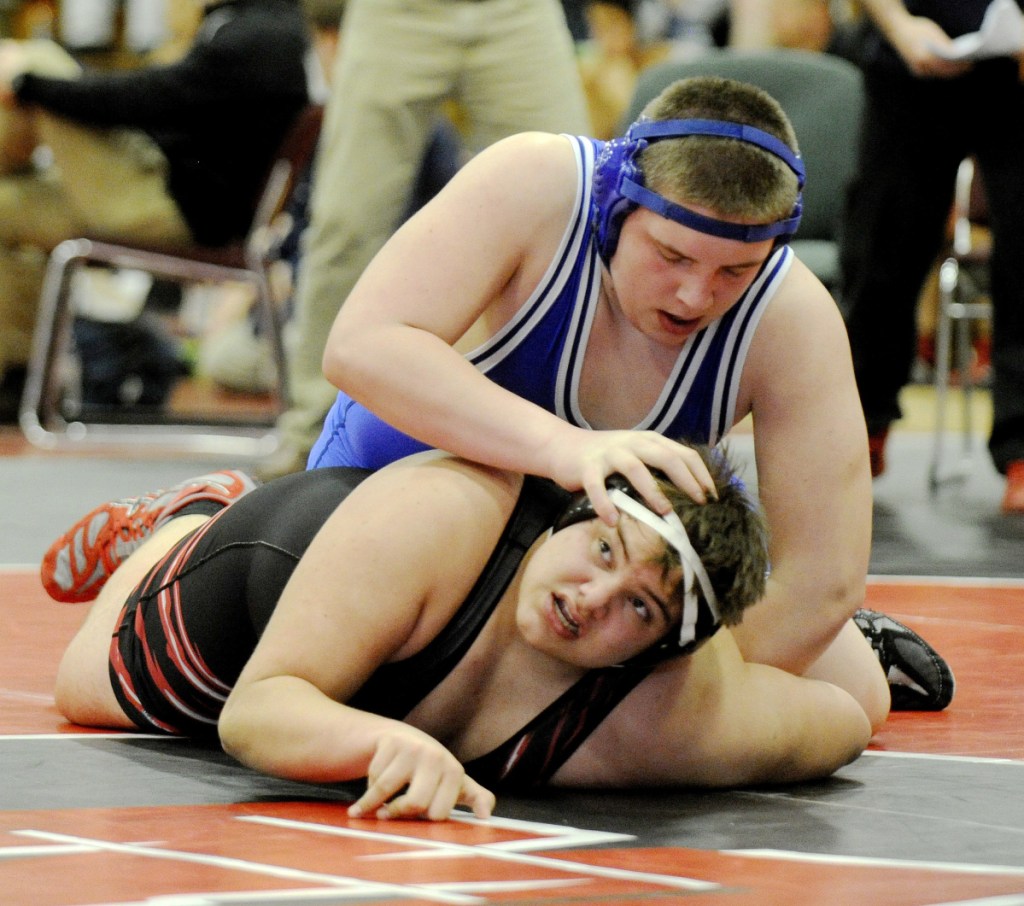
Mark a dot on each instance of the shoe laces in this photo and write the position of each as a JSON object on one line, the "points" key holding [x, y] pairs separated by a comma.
{"points": [[133, 519]]}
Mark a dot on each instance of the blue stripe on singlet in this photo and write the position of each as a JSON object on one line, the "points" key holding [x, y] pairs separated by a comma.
{"points": [[579, 330], [559, 273], [741, 330]]}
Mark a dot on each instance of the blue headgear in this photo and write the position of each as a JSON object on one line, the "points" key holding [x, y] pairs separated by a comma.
{"points": [[700, 618], [619, 183]]}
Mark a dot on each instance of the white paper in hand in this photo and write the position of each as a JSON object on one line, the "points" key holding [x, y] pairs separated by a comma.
{"points": [[1001, 35]]}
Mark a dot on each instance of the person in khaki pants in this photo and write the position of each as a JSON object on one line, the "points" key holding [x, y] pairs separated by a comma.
{"points": [[168, 154], [510, 67]]}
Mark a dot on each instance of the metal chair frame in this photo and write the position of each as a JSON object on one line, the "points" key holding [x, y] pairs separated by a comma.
{"points": [[247, 262], [960, 301]]}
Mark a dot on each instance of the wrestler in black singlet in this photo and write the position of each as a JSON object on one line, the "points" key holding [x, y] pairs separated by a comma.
{"points": [[190, 626]]}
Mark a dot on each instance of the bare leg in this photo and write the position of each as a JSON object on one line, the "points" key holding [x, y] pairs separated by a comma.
{"points": [[83, 691]]}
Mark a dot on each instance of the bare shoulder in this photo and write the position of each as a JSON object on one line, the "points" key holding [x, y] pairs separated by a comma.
{"points": [[803, 304], [483, 242], [543, 158], [800, 344], [664, 730], [412, 539], [525, 176], [440, 475]]}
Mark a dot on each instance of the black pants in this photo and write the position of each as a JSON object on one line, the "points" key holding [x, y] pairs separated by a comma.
{"points": [[915, 133]]}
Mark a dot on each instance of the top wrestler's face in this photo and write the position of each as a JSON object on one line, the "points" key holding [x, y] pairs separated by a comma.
{"points": [[670, 280], [593, 595]]}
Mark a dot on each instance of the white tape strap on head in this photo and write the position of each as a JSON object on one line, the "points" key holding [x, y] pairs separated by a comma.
{"points": [[671, 528]]}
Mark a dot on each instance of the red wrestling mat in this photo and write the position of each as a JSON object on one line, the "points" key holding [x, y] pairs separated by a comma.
{"points": [[290, 848], [261, 853], [978, 627], [36, 630]]}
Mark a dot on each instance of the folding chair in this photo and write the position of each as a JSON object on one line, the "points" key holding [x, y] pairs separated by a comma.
{"points": [[246, 261], [962, 299]]}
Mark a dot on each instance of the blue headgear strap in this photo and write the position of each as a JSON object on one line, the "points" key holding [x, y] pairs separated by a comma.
{"points": [[619, 184]]}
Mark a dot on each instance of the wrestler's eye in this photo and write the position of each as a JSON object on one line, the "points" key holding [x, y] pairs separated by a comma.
{"points": [[604, 550], [642, 609]]}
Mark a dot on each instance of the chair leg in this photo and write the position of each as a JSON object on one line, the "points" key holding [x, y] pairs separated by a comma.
{"points": [[948, 278], [40, 412], [41, 398], [963, 359]]}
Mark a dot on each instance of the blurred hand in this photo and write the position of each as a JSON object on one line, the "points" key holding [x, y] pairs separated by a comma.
{"points": [[916, 39], [12, 63]]}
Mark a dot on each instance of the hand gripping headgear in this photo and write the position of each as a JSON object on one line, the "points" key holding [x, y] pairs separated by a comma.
{"points": [[619, 183]]}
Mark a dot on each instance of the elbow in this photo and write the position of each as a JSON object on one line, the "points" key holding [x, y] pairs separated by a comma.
{"points": [[844, 597], [337, 362], [231, 732], [862, 729], [244, 733], [848, 732]]}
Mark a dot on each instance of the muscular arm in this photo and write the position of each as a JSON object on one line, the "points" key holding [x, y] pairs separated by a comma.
{"points": [[813, 477], [470, 259], [714, 721], [378, 581]]}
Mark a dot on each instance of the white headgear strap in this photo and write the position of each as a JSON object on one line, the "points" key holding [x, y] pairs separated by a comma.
{"points": [[670, 527]]}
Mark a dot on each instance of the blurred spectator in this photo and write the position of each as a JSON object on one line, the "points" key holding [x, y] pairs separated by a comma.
{"points": [[232, 351], [167, 154], [825, 26], [611, 59], [510, 66], [926, 111]]}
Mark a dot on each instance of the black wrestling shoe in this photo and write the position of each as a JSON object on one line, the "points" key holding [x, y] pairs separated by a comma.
{"points": [[919, 680]]}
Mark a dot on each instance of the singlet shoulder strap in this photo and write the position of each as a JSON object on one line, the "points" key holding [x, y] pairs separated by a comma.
{"points": [[530, 757], [395, 689]]}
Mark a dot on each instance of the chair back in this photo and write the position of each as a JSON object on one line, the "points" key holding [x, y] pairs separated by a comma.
{"points": [[294, 155], [822, 95]]}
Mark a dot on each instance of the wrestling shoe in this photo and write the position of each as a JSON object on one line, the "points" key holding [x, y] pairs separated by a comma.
{"points": [[919, 680], [78, 564], [876, 451], [1013, 498]]}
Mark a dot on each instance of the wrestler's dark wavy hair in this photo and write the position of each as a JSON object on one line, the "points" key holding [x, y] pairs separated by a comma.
{"points": [[729, 534]]}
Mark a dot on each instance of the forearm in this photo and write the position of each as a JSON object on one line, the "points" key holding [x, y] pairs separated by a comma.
{"points": [[287, 728], [416, 382], [793, 625], [918, 40], [103, 100]]}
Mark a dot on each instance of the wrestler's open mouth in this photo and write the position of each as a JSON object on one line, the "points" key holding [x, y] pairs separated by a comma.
{"points": [[562, 610], [676, 324]]}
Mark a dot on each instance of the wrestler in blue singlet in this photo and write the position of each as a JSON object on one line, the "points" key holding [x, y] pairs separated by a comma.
{"points": [[539, 354]]}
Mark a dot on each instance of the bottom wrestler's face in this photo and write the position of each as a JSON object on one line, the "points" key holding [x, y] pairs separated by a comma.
{"points": [[593, 595]]}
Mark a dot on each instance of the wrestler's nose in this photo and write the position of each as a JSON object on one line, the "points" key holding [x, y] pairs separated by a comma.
{"points": [[695, 295], [597, 595]]}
